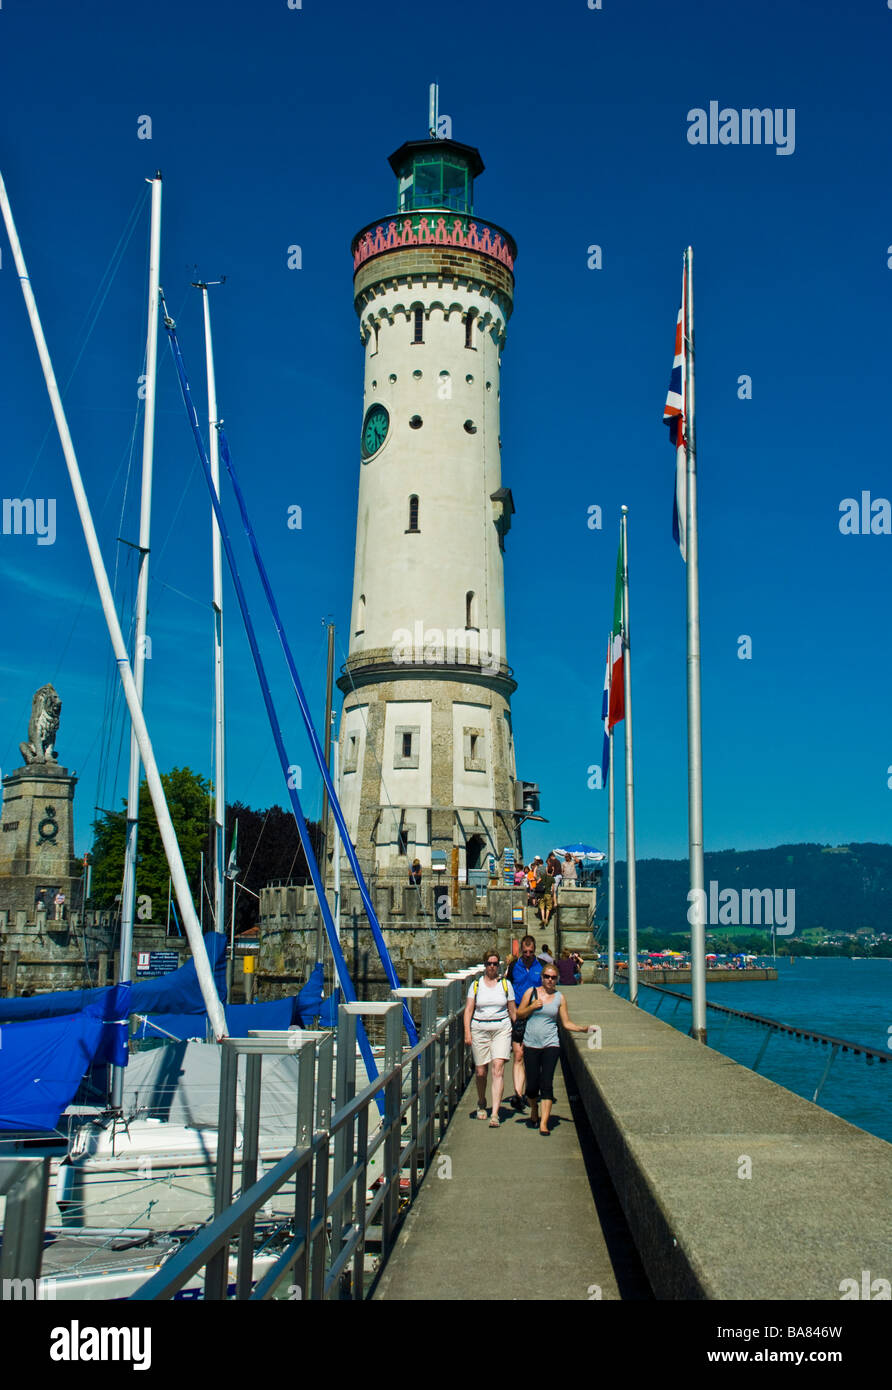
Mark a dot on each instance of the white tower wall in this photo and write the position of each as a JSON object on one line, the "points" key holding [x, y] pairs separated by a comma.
{"points": [[407, 578], [427, 752]]}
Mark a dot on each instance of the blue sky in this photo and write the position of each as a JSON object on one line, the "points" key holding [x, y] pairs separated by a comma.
{"points": [[272, 127]]}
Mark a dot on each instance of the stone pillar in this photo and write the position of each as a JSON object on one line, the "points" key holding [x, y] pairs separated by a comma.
{"points": [[37, 841]]}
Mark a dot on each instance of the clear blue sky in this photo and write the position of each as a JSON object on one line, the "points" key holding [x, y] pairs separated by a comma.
{"points": [[272, 127]]}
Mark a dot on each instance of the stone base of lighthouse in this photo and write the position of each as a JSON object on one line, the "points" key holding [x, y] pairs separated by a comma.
{"points": [[427, 768], [421, 939]]}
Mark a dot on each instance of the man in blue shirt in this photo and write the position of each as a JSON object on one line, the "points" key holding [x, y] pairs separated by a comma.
{"points": [[523, 974]]}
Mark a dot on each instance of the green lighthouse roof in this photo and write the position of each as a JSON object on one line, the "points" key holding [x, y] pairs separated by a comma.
{"points": [[436, 174]]}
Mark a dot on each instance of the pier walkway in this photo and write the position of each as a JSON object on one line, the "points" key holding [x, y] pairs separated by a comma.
{"points": [[733, 1188], [507, 1215]]}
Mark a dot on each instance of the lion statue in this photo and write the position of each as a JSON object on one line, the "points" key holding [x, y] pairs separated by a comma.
{"points": [[43, 727]]}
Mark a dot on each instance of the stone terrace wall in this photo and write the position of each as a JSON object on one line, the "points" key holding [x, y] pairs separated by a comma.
{"points": [[419, 944]]}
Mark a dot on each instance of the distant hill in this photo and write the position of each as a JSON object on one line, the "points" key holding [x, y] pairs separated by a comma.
{"points": [[840, 888]]}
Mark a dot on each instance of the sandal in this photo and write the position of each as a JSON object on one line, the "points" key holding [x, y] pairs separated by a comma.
{"points": [[481, 1113], [494, 1122]]}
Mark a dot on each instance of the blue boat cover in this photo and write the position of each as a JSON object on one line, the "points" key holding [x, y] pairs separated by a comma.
{"points": [[43, 1060], [51, 1040], [241, 1019], [328, 1010], [178, 993]]}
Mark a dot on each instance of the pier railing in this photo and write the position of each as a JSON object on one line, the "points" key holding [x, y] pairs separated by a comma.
{"points": [[393, 1124], [24, 1183], [773, 1027]]}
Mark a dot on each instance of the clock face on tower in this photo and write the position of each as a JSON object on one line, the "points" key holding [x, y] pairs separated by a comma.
{"points": [[374, 429]]}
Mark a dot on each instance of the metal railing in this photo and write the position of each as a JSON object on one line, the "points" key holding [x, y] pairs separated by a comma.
{"points": [[773, 1026], [333, 1217], [24, 1182]]}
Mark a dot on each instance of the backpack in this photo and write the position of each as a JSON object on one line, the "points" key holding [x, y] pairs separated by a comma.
{"points": [[474, 987]]}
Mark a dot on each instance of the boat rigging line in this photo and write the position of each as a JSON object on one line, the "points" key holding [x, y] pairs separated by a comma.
{"points": [[338, 814], [343, 973]]}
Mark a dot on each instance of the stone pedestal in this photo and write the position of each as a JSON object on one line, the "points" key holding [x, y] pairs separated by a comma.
{"points": [[37, 842]]}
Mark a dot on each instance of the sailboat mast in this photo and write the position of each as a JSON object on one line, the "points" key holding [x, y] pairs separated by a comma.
{"points": [[156, 790], [128, 892], [217, 561], [336, 778], [329, 680]]}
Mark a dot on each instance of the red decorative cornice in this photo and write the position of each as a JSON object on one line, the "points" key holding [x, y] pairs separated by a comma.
{"points": [[433, 229]]}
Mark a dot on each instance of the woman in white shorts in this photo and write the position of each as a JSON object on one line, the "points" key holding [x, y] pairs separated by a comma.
{"points": [[489, 1014]]}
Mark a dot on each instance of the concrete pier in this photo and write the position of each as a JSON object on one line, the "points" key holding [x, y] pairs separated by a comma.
{"points": [[506, 1215], [733, 1187], [726, 1185]]}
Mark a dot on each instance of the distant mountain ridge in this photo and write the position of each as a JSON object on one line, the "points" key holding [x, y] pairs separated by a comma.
{"points": [[841, 888]]}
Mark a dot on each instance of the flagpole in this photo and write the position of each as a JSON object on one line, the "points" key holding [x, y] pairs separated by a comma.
{"points": [[611, 865], [695, 747], [630, 787]]}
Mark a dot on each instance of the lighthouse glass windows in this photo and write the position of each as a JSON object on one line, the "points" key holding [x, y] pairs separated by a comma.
{"points": [[436, 180]]}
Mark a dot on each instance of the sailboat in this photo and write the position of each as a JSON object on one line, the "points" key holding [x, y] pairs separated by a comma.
{"points": [[95, 1183]]}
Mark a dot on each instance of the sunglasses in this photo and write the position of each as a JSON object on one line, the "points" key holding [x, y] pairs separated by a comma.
{"points": [[492, 962], [550, 977]]}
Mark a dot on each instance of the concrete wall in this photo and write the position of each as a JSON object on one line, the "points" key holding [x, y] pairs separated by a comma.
{"points": [[680, 1127]]}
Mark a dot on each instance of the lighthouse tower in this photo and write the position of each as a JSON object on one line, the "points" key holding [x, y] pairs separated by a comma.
{"points": [[426, 745]]}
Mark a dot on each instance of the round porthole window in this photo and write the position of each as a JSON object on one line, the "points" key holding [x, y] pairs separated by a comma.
{"points": [[416, 422], [418, 375], [470, 427]]}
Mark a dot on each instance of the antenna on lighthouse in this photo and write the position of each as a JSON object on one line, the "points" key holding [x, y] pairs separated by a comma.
{"points": [[434, 115]]}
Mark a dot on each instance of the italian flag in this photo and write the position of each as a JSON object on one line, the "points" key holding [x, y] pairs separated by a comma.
{"points": [[232, 866], [617, 707]]}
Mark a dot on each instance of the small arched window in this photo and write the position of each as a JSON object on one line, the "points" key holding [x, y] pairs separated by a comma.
{"points": [[413, 513], [470, 609], [469, 327], [419, 326], [360, 616]]}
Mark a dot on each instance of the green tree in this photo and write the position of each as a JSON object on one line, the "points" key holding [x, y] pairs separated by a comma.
{"points": [[188, 799], [269, 849]]}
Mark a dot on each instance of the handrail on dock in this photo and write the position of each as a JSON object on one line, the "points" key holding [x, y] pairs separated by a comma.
{"points": [[416, 1091]]}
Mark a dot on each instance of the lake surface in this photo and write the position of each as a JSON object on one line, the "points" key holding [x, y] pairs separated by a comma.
{"points": [[850, 999]]}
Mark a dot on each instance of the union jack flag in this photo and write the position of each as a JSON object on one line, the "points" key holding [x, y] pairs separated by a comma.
{"points": [[675, 416]]}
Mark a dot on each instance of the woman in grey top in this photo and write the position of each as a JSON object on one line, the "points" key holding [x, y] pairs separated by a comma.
{"points": [[542, 1007]]}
